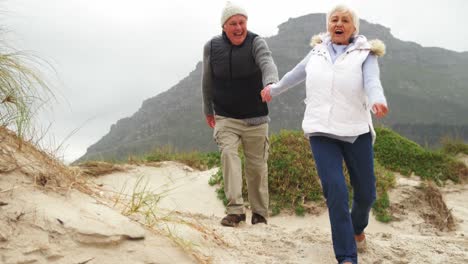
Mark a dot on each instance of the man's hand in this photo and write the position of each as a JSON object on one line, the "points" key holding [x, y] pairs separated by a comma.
{"points": [[210, 120], [266, 94], [380, 110]]}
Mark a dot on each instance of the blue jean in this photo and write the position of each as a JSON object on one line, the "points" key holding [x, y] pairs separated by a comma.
{"points": [[358, 156]]}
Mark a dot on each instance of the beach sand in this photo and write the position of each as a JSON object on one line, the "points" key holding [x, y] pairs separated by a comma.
{"points": [[167, 213]]}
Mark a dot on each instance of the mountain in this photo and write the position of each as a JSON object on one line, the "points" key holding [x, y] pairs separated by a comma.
{"points": [[426, 89]]}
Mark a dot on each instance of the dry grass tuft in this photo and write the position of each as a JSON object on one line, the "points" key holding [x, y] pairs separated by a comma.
{"points": [[439, 216], [141, 206], [45, 170], [97, 168], [428, 203], [7, 163]]}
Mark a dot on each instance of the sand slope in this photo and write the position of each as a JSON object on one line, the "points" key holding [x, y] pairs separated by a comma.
{"points": [[40, 225], [292, 239]]}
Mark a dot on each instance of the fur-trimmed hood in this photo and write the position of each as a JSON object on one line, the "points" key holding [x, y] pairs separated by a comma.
{"points": [[376, 46]]}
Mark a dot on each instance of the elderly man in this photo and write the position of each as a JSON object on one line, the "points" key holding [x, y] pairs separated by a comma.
{"points": [[236, 66]]}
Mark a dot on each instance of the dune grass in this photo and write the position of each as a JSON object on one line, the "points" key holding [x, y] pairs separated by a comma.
{"points": [[440, 216], [141, 203], [295, 186], [454, 146], [22, 90], [98, 168], [194, 159]]}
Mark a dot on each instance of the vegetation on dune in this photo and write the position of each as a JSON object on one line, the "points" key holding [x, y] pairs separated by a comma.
{"points": [[400, 154], [293, 181], [439, 215], [194, 159], [292, 176], [22, 90], [97, 168], [385, 181], [454, 147]]}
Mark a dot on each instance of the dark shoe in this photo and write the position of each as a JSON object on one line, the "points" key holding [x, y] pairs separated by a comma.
{"points": [[256, 219], [233, 219]]}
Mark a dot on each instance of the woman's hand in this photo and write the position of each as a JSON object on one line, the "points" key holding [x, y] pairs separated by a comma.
{"points": [[380, 110], [266, 94]]}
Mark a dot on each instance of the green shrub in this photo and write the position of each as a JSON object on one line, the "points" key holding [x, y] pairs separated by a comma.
{"points": [[293, 179], [453, 146], [217, 179], [275, 210], [292, 175], [193, 159], [300, 210], [385, 181], [400, 154], [381, 208]]}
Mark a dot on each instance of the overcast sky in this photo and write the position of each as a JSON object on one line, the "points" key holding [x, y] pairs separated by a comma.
{"points": [[110, 55]]}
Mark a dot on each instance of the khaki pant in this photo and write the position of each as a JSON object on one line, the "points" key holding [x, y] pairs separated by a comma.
{"points": [[228, 134]]}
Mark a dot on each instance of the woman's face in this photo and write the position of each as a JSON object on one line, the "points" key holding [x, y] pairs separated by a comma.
{"points": [[341, 27], [236, 29]]}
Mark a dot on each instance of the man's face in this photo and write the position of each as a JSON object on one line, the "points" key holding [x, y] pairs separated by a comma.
{"points": [[236, 29], [341, 27]]}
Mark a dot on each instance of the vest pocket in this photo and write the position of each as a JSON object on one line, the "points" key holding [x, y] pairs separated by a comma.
{"points": [[316, 111]]}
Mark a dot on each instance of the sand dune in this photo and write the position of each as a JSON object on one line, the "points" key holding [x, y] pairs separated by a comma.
{"points": [[293, 239], [120, 220]]}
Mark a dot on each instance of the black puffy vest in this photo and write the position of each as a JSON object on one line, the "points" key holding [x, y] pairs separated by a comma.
{"points": [[237, 80]]}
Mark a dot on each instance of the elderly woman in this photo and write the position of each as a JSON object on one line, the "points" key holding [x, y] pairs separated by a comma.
{"points": [[342, 87]]}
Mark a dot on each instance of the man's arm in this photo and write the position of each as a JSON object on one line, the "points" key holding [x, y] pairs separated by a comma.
{"points": [[207, 86], [207, 82], [264, 60]]}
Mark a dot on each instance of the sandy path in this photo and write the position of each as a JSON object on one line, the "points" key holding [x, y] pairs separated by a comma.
{"points": [[39, 226], [292, 239]]}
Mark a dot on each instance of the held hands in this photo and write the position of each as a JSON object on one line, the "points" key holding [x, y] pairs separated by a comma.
{"points": [[380, 110], [210, 120], [266, 94]]}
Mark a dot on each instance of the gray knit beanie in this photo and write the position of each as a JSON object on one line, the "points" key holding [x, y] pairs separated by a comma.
{"points": [[230, 10]]}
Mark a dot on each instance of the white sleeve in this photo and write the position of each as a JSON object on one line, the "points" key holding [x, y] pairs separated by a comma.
{"points": [[292, 78]]}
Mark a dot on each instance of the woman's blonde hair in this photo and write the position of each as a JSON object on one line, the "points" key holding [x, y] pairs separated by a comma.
{"points": [[343, 8]]}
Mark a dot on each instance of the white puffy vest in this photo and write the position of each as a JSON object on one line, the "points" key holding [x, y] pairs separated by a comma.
{"points": [[336, 102]]}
